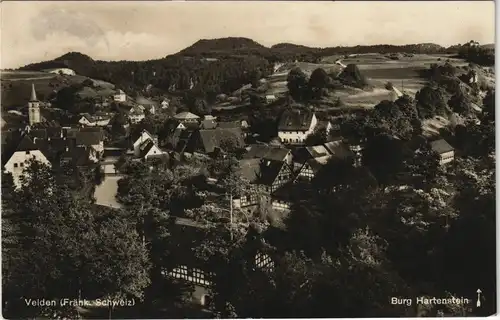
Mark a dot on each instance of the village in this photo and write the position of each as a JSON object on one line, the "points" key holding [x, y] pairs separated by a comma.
{"points": [[271, 166], [225, 178]]}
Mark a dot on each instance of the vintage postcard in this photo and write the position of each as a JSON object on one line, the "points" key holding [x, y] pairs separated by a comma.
{"points": [[255, 159]]}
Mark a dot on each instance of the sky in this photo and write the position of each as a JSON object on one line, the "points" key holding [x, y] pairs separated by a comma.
{"points": [[142, 30]]}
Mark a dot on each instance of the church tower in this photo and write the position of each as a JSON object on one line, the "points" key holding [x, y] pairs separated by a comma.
{"points": [[34, 107]]}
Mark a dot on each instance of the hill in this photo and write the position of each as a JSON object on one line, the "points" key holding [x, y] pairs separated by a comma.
{"points": [[233, 64], [16, 87], [231, 45]]}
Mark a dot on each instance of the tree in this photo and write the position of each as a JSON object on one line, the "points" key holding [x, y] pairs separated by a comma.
{"points": [[297, 84], [420, 165], [383, 155], [318, 82], [430, 102], [255, 76], [475, 225], [59, 247], [118, 124], [460, 103], [123, 263], [488, 111], [351, 76]]}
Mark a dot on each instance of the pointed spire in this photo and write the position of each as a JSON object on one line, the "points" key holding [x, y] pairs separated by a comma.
{"points": [[33, 93]]}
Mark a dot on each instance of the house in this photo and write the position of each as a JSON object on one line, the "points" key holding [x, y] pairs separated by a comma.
{"points": [[266, 175], [472, 77], [190, 126], [208, 141], [275, 153], [185, 117], [445, 151], [136, 114], [61, 71], [146, 104], [165, 104], [270, 98], [148, 149], [312, 166], [119, 96], [90, 137], [100, 120], [140, 139], [309, 160], [26, 150], [80, 156], [295, 125], [179, 140]]}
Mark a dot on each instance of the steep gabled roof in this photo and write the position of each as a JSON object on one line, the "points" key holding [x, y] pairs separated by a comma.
{"points": [[137, 135], [33, 97], [88, 138], [213, 138], [145, 147], [317, 151], [295, 120], [88, 117], [339, 149], [269, 171], [186, 116], [441, 146], [250, 169], [260, 151], [26, 144]]}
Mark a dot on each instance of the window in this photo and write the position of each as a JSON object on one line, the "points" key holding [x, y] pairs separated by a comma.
{"points": [[15, 165], [27, 152], [21, 164]]}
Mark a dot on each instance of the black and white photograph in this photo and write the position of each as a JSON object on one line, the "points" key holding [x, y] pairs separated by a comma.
{"points": [[248, 159]]}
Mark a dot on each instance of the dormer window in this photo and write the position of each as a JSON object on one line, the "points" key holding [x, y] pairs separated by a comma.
{"points": [[27, 152]]}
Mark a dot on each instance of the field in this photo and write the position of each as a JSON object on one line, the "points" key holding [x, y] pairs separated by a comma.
{"points": [[25, 75], [16, 86], [404, 74]]}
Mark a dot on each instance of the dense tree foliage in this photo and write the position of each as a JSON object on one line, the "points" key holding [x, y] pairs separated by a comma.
{"points": [[67, 250], [297, 84], [430, 102], [474, 53]]}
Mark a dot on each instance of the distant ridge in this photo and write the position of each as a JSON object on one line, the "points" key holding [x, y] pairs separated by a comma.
{"points": [[246, 46]]}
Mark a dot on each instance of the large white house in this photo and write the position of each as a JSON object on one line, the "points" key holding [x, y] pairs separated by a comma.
{"points": [[95, 120], [296, 125], [26, 151]]}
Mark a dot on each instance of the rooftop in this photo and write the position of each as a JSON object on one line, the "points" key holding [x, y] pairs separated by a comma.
{"points": [[295, 120], [186, 116], [266, 152], [441, 146]]}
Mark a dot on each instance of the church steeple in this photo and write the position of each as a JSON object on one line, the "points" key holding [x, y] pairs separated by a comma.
{"points": [[34, 107], [33, 93]]}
